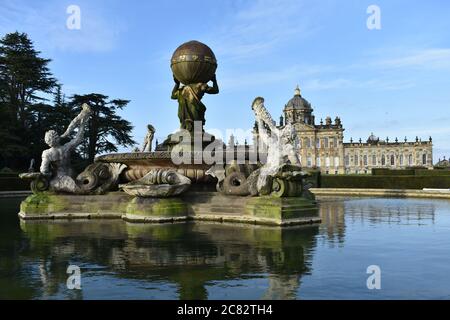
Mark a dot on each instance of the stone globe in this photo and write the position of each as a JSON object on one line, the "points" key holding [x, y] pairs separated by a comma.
{"points": [[193, 62]]}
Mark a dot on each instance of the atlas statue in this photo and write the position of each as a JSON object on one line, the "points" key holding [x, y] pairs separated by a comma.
{"points": [[193, 65]]}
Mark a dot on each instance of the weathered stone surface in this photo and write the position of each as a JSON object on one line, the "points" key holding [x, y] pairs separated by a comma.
{"points": [[156, 210], [210, 206], [281, 208], [158, 183], [47, 205]]}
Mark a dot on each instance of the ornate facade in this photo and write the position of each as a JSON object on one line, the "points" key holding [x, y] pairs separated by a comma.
{"points": [[323, 147]]}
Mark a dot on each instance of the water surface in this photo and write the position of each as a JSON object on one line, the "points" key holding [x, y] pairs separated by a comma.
{"points": [[409, 239]]}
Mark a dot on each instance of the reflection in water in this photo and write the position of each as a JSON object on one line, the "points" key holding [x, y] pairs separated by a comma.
{"points": [[335, 211], [189, 255], [197, 260], [391, 211]]}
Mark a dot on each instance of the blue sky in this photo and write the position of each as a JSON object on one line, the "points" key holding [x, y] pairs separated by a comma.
{"points": [[394, 82]]}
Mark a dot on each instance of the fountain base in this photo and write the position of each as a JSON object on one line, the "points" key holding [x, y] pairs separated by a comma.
{"points": [[208, 206]]}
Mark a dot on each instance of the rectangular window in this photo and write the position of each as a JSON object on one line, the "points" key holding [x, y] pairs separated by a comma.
{"points": [[317, 143], [336, 162], [309, 162], [347, 161], [365, 160], [374, 160]]}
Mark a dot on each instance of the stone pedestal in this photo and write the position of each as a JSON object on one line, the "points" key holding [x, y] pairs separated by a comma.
{"points": [[209, 206], [156, 210]]}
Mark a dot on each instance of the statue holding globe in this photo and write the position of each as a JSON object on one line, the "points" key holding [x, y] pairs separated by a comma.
{"points": [[193, 65]]}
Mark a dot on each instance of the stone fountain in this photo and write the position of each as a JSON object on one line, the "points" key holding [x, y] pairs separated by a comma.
{"points": [[190, 176]]}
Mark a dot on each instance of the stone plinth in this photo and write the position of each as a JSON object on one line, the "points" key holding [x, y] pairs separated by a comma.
{"points": [[156, 210], [209, 206]]}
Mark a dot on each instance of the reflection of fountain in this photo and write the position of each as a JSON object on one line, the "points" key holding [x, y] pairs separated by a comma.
{"points": [[190, 255]]}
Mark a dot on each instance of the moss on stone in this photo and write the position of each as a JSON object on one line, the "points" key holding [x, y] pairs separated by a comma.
{"points": [[149, 207], [281, 208], [43, 204]]}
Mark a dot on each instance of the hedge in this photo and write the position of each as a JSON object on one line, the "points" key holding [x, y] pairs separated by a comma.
{"points": [[409, 172], [385, 182], [13, 184]]}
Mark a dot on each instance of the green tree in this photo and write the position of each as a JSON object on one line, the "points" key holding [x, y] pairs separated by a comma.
{"points": [[107, 130], [23, 74], [24, 77]]}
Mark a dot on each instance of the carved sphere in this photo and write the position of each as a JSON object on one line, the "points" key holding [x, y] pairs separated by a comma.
{"points": [[193, 62]]}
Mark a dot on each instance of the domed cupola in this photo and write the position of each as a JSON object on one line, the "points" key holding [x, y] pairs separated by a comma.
{"points": [[298, 109], [372, 139]]}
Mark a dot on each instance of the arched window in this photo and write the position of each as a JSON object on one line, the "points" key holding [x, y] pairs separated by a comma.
{"points": [[336, 162], [392, 160], [383, 160], [356, 160], [327, 162], [410, 160], [365, 160], [401, 159], [374, 160], [309, 161]]}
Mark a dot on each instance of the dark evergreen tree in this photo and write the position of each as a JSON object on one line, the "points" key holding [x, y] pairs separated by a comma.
{"points": [[24, 78], [107, 130]]}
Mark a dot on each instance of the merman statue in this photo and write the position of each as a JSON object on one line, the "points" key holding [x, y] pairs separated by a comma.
{"points": [[55, 163]]}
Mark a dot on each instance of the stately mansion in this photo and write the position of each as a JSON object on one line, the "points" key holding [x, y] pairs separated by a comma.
{"points": [[323, 147]]}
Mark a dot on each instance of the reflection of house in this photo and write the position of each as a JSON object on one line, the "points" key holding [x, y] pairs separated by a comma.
{"points": [[322, 144]]}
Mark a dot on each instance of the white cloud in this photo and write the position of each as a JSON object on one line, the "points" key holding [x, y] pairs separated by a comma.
{"points": [[427, 58]]}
